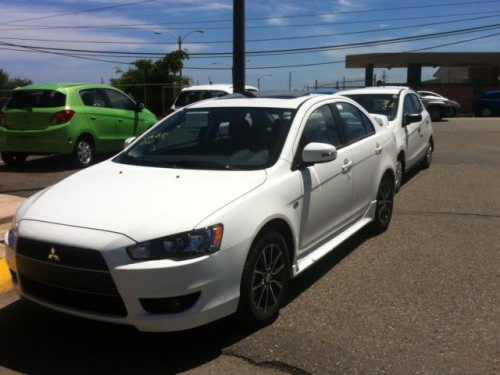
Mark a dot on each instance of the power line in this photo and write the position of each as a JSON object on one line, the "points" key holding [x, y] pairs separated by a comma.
{"points": [[199, 22], [81, 53], [79, 11], [371, 31]]}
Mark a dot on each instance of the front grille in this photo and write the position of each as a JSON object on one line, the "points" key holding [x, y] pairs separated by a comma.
{"points": [[68, 276]]}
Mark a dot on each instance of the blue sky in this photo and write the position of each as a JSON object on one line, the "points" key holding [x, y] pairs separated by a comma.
{"points": [[289, 43]]}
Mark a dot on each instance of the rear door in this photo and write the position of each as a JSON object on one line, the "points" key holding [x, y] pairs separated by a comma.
{"points": [[366, 148], [101, 120]]}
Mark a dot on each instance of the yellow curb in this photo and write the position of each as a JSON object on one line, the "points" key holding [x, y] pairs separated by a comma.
{"points": [[5, 283]]}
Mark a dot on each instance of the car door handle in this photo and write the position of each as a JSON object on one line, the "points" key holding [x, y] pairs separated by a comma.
{"points": [[346, 167], [120, 120], [378, 149], [93, 117]]}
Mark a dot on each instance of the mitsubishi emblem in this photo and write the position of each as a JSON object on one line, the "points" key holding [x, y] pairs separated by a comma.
{"points": [[53, 255]]}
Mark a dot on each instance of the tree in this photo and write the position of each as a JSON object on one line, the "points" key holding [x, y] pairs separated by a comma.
{"points": [[143, 72], [7, 83]]}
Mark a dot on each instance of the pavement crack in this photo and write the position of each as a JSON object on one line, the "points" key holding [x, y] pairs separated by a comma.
{"points": [[274, 365]]}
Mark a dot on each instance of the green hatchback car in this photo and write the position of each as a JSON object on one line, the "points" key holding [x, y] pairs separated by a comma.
{"points": [[69, 118]]}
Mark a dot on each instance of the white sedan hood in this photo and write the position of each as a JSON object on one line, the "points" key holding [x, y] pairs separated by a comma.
{"points": [[140, 202]]}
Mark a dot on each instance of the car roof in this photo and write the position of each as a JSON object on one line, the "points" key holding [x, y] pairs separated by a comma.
{"points": [[218, 86], [58, 86], [374, 90], [264, 99]]}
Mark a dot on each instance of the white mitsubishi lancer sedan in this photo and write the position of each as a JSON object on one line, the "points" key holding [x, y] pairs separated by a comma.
{"points": [[209, 213]]}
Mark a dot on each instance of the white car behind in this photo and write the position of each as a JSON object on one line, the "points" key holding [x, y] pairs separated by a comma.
{"points": [[406, 117]]}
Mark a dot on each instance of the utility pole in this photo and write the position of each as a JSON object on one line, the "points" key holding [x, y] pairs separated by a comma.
{"points": [[238, 45]]}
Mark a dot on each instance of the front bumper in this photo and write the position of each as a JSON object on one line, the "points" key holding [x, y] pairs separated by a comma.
{"points": [[88, 273]]}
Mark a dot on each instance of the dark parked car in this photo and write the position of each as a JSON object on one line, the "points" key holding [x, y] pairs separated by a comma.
{"points": [[453, 107], [488, 104]]}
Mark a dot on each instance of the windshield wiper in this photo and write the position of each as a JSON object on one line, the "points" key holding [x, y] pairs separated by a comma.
{"points": [[125, 158], [198, 164]]}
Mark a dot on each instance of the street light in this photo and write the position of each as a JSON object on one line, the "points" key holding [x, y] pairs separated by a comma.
{"points": [[180, 40], [258, 79]]}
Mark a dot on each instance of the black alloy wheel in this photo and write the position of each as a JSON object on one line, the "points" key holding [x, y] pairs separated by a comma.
{"points": [[265, 280], [427, 160], [385, 204]]}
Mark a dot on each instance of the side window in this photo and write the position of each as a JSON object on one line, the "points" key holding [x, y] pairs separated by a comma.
{"points": [[92, 98], [321, 127], [119, 100], [356, 124], [408, 107], [417, 103]]}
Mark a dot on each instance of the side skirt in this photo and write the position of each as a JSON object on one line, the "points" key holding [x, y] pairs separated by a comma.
{"points": [[330, 243]]}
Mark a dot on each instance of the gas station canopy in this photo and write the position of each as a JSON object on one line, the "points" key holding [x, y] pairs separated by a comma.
{"points": [[485, 64]]}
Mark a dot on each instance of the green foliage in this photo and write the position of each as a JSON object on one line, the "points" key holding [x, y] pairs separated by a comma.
{"points": [[7, 83], [165, 71]]}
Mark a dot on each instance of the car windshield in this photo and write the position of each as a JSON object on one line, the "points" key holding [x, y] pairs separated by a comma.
{"points": [[383, 104], [213, 138], [36, 99]]}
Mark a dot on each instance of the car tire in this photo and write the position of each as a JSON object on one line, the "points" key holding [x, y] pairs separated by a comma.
{"points": [[13, 159], [400, 173], [84, 152], [385, 204], [264, 281], [427, 160], [486, 112], [436, 113]]}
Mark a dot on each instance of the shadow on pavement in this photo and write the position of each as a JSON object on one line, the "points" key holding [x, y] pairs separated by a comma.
{"points": [[36, 340]]}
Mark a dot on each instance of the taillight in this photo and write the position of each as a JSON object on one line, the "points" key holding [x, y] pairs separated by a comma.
{"points": [[62, 116], [2, 118]]}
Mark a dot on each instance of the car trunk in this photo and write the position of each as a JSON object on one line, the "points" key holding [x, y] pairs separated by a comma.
{"points": [[33, 109]]}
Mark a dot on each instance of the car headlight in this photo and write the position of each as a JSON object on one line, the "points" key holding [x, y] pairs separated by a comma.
{"points": [[11, 236], [179, 246]]}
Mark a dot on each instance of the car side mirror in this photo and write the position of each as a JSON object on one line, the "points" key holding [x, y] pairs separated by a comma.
{"points": [[382, 120], [139, 107], [127, 142], [315, 153], [411, 118]]}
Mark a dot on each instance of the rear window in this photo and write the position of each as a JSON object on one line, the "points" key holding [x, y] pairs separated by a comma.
{"points": [[36, 99], [188, 97]]}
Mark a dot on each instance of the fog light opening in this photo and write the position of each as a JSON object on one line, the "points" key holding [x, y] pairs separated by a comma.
{"points": [[170, 305]]}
